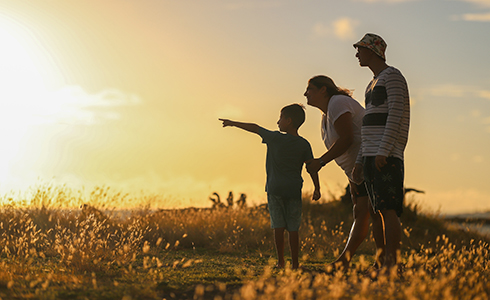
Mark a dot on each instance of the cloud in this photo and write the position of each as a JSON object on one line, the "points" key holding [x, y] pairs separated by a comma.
{"points": [[478, 159], [458, 91], [69, 105], [449, 90], [73, 105], [485, 17], [385, 1], [343, 28], [484, 94], [480, 3], [477, 17], [239, 5]]}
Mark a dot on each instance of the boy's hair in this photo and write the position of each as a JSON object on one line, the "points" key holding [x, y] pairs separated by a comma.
{"points": [[296, 112]]}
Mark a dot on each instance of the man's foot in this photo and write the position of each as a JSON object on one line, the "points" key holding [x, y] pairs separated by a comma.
{"points": [[371, 271]]}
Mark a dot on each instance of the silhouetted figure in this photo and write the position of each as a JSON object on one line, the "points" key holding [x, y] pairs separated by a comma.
{"points": [[385, 129], [242, 202], [229, 200], [287, 152], [341, 133], [216, 201]]}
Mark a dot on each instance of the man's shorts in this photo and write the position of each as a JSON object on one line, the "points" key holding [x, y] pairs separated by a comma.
{"points": [[285, 212], [385, 187]]}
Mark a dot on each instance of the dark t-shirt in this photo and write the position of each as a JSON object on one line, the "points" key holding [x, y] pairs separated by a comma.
{"points": [[286, 155]]}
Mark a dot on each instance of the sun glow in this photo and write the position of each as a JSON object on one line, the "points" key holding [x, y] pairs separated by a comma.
{"points": [[24, 75]]}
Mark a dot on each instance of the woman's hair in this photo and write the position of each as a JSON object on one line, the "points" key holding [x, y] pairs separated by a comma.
{"points": [[324, 81]]}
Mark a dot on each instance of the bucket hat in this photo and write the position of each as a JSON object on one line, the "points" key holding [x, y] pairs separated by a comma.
{"points": [[373, 42]]}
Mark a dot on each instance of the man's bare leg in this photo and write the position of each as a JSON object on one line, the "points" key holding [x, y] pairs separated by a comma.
{"points": [[379, 236], [393, 236]]}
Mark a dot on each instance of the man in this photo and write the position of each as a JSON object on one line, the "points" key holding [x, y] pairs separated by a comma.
{"points": [[384, 138]]}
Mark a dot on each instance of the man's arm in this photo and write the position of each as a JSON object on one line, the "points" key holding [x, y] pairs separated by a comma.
{"points": [[343, 126], [395, 88], [254, 128]]}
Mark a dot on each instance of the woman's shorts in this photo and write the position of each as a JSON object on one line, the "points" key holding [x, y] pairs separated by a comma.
{"points": [[285, 212], [385, 187], [360, 190]]}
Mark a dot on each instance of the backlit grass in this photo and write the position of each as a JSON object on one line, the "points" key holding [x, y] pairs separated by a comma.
{"points": [[50, 248]]}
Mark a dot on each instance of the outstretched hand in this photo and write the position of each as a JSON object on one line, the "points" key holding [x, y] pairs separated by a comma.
{"points": [[226, 122]]}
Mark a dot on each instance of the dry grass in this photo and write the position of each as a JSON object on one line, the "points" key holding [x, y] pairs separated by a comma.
{"points": [[52, 249]]}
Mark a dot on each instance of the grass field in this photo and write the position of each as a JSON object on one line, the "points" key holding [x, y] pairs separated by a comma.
{"points": [[52, 249]]}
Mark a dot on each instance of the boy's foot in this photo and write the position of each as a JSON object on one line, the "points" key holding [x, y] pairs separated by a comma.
{"points": [[278, 267]]}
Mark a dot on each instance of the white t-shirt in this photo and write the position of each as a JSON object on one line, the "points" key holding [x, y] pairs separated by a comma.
{"points": [[337, 106]]}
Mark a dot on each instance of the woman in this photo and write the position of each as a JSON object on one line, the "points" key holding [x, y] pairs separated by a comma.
{"points": [[341, 133]]}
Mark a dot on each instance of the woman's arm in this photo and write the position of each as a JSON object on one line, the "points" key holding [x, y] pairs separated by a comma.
{"points": [[343, 126]]}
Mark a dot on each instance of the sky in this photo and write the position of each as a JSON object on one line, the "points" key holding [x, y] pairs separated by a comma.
{"points": [[127, 94]]}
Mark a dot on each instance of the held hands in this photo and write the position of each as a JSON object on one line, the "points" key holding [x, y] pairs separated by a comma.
{"points": [[313, 165]]}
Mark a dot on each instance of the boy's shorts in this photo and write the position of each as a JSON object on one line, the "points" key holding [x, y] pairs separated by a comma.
{"points": [[385, 187], [285, 212]]}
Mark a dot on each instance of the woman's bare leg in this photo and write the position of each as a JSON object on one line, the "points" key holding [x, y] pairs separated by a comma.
{"points": [[358, 232]]}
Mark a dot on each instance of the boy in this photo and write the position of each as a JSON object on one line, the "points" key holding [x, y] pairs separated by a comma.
{"points": [[286, 154]]}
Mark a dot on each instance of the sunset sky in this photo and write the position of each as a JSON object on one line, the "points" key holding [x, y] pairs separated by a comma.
{"points": [[127, 94]]}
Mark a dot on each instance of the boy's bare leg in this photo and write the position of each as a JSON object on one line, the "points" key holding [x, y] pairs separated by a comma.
{"points": [[358, 232], [279, 241], [393, 236], [294, 247]]}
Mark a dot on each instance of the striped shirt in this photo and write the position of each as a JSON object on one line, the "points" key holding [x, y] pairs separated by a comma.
{"points": [[386, 121]]}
